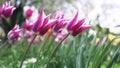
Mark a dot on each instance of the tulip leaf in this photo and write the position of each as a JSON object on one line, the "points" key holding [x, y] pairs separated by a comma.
{"points": [[101, 54]]}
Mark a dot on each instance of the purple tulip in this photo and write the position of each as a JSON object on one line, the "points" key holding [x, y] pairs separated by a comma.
{"points": [[80, 29], [39, 21], [29, 12], [1, 11], [61, 21], [14, 34], [76, 26], [61, 34], [59, 15], [7, 9], [47, 24], [72, 22], [28, 34], [43, 24], [28, 25]]}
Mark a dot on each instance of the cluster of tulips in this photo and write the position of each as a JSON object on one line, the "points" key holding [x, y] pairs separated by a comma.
{"points": [[57, 26]]}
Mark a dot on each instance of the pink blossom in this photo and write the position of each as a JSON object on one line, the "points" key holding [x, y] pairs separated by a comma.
{"points": [[1, 10], [59, 25], [28, 12], [28, 25], [43, 24], [61, 21], [61, 34], [28, 33], [59, 15], [7, 9], [39, 21], [14, 34], [76, 26], [47, 24]]}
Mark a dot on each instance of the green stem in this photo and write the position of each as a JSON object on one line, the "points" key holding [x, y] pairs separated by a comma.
{"points": [[44, 43], [55, 49], [43, 46], [26, 51]]}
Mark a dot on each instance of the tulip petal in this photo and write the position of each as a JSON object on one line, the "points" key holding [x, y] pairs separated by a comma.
{"points": [[39, 22], [58, 15], [28, 25], [79, 30], [1, 10], [46, 20], [72, 22], [60, 24], [79, 24], [47, 27]]}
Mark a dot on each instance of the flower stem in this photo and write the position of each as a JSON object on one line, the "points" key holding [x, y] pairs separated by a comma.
{"points": [[44, 43], [42, 47], [54, 50], [26, 51]]}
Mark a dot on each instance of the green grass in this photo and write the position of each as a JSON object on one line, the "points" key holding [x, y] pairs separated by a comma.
{"points": [[76, 52]]}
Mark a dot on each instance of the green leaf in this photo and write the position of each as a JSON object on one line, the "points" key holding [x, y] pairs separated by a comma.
{"points": [[115, 56], [101, 54]]}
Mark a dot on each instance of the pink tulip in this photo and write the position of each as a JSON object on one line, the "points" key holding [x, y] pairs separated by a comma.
{"points": [[1, 11], [79, 30], [47, 24], [61, 21], [76, 26], [28, 25], [29, 12], [28, 34], [59, 25], [39, 21], [61, 34], [58, 15], [14, 34], [7, 9], [43, 24]]}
